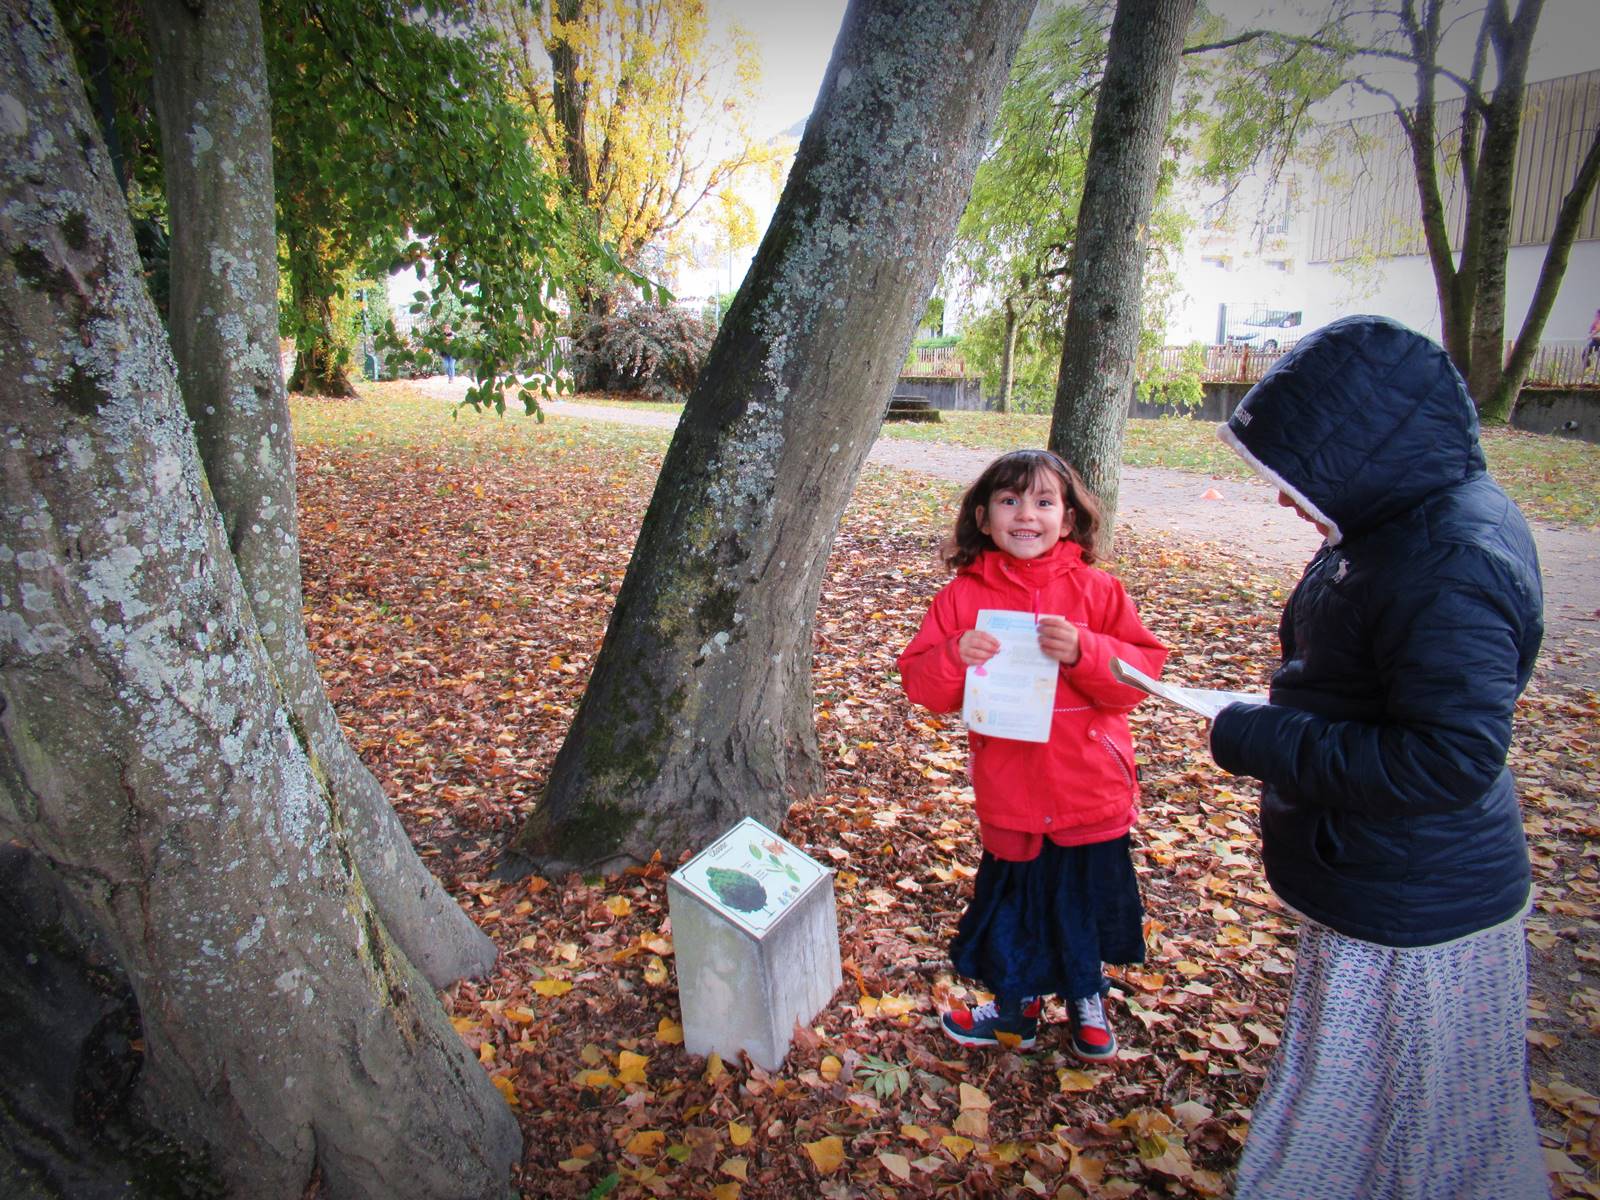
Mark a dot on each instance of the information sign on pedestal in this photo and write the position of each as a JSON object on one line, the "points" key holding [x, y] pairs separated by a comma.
{"points": [[756, 938]]}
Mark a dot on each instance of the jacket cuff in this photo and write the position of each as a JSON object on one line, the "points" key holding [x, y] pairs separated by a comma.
{"points": [[1228, 732]]}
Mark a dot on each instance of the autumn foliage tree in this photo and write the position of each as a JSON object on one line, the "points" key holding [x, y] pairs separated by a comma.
{"points": [[639, 109]]}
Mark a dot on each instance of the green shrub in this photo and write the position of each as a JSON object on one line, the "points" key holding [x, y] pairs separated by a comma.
{"points": [[651, 349]]}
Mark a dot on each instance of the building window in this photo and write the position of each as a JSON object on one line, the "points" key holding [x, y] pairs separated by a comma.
{"points": [[1280, 264], [1219, 261]]}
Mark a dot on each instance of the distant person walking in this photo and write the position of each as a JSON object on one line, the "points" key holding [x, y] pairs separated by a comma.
{"points": [[448, 356], [1594, 340]]}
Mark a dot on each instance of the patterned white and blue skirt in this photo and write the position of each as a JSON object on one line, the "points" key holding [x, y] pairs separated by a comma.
{"points": [[1402, 1075]]}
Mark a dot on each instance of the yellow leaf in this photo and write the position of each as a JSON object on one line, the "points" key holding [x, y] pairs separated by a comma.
{"points": [[896, 1164], [971, 1097], [521, 1015], [830, 1068], [618, 906], [896, 1006], [630, 1067], [568, 951], [669, 1032], [507, 1089], [571, 1165], [915, 1133], [1074, 1080], [593, 1079], [552, 987], [463, 1024], [974, 1123], [827, 1154], [486, 1052], [1540, 1038], [714, 1068], [960, 1147], [725, 1191], [738, 1134], [869, 1005], [646, 1141], [738, 1167], [655, 971]]}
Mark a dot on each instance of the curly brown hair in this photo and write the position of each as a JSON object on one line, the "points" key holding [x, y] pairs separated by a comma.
{"points": [[1017, 472]]}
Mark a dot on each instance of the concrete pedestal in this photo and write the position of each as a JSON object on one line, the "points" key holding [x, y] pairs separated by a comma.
{"points": [[756, 939]]}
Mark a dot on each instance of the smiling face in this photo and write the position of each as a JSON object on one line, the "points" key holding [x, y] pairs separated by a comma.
{"points": [[1026, 524]]}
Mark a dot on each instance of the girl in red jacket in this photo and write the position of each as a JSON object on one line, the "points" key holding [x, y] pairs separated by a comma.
{"points": [[1055, 896]]}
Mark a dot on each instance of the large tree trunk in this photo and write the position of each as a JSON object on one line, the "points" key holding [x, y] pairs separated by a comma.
{"points": [[146, 750], [699, 709], [1489, 203], [1102, 333], [321, 366], [224, 333]]}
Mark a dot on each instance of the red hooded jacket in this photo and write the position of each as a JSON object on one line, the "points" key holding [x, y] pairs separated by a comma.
{"points": [[1079, 787]]}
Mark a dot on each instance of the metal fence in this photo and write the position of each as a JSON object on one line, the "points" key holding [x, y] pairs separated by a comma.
{"points": [[1555, 364]]}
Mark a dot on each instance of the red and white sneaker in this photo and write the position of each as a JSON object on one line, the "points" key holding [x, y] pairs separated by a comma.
{"points": [[984, 1026], [1092, 1038]]}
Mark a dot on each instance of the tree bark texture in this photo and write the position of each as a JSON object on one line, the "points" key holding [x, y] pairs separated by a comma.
{"points": [[1102, 332], [146, 749], [699, 708], [69, 1030], [211, 100]]}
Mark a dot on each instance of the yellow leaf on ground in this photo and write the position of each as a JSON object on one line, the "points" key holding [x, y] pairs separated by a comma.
{"points": [[738, 1134], [896, 1006], [486, 1052], [507, 1089], [646, 1141], [960, 1147], [830, 1068], [714, 1068], [593, 1079], [827, 1154], [669, 1032], [630, 1067], [896, 1164], [551, 987], [972, 1097], [738, 1167], [973, 1123], [463, 1024], [520, 1014], [1074, 1080], [1540, 1038], [618, 906], [725, 1191], [655, 971], [915, 1133]]}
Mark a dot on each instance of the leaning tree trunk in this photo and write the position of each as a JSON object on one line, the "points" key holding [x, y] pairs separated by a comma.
{"points": [[1102, 333], [224, 332], [146, 749], [699, 708]]}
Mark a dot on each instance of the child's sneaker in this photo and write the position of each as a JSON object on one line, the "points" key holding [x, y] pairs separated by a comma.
{"points": [[1092, 1038], [984, 1026]]}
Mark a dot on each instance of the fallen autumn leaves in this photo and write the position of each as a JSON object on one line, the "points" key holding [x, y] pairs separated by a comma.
{"points": [[458, 583]]}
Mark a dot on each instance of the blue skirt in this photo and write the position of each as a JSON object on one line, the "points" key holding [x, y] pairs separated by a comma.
{"points": [[1045, 927]]}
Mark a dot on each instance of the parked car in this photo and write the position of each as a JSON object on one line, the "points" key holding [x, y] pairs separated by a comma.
{"points": [[1266, 329]]}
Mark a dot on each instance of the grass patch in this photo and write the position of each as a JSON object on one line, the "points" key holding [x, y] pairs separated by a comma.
{"points": [[1554, 480]]}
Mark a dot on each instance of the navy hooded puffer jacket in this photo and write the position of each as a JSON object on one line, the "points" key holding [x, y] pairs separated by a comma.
{"points": [[1388, 813]]}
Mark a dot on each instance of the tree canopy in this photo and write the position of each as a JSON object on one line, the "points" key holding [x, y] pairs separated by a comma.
{"points": [[641, 113]]}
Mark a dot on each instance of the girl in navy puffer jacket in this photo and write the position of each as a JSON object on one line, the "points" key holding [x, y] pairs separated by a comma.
{"points": [[1388, 818], [1055, 896]]}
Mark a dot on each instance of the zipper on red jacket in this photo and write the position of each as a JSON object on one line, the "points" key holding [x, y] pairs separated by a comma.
{"points": [[1116, 757]]}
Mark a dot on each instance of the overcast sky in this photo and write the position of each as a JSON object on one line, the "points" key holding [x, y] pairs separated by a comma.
{"points": [[796, 37]]}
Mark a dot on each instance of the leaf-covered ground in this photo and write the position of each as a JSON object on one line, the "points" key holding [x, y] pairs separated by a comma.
{"points": [[459, 575]]}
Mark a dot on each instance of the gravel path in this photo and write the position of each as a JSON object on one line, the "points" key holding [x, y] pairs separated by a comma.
{"points": [[1246, 519]]}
